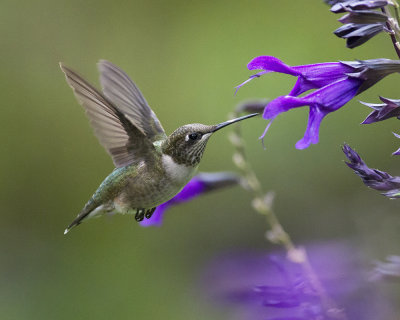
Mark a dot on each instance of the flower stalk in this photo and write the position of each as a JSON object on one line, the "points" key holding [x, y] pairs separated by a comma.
{"points": [[262, 203], [392, 28]]}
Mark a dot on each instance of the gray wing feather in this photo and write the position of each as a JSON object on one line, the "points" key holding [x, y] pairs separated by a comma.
{"points": [[126, 96], [122, 140]]}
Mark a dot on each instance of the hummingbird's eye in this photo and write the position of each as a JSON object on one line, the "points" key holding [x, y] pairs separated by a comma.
{"points": [[194, 136]]}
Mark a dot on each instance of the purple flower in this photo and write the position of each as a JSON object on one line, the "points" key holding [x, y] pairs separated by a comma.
{"points": [[361, 23], [389, 109], [201, 183], [270, 287], [363, 17], [373, 178], [357, 34], [343, 6], [397, 152], [336, 84]]}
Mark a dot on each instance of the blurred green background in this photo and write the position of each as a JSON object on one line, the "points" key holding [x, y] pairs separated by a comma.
{"points": [[187, 57]]}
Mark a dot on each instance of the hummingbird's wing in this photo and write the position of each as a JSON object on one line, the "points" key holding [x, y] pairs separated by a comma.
{"points": [[118, 135], [126, 96]]}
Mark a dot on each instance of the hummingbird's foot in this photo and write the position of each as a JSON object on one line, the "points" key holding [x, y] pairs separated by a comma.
{"points": [[150, 212], [139, 216]]}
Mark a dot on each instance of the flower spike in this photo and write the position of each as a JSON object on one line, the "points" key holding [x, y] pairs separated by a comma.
{"points": [[373, 178]]}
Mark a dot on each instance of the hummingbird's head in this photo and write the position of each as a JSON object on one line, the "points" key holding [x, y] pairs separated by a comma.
{"points": [[187, 143]]}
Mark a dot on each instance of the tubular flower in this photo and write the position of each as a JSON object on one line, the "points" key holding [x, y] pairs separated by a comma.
{"points": [[336, 84], [397, 152], [361, 21], [389, 109], [201, 183], [356, 34], [343, 6], [363, 17], [373, 178]]}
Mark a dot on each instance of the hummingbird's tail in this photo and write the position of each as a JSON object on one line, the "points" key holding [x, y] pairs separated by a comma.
{"points": [[74, 223], [91, 209], [77, 221]]}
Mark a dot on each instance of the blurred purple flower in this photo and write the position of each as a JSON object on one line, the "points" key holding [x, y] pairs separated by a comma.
{"points": [[373, 178], [200, 184], [252, 106], [390, 108], [336, 84], [270, 287]]}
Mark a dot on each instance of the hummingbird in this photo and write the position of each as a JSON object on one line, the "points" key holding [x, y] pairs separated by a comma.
{"points": [[150, 167]]}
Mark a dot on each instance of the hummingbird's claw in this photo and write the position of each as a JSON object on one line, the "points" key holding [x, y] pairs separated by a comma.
{"points": [[139, 216], [150, 212]]}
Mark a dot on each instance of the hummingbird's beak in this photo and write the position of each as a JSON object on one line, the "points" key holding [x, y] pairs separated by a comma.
{"points": [[227, 123]]}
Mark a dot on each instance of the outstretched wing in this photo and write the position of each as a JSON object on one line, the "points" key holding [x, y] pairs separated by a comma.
{"points": [[126, 96], [118, 135]]}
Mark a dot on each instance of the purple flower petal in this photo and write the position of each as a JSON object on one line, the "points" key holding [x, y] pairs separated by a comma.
{"points": [[312, 132], [373, 178], [363, 17], [315, 76], [390, 108], [157, 217], [397, 152], [321, 102], [283, 104], [201, 183], [335, 95], [311, 76], [336, 84], [357, 34], [343, 6], [271, 64]]}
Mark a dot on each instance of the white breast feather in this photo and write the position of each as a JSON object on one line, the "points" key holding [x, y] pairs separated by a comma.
{"points": [[177, 172]]}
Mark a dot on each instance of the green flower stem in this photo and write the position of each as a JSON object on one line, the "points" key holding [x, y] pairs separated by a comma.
{"points": [[262, 203]]}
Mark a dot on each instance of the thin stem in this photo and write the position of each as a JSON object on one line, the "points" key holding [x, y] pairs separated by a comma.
{"points": [[396, 11], [392, 31], [262, 203]]}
